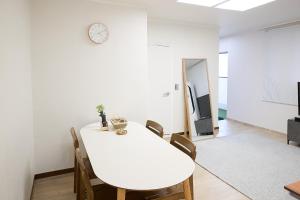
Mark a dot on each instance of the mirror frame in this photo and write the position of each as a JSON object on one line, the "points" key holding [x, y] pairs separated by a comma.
{"points": [[187, 122]]}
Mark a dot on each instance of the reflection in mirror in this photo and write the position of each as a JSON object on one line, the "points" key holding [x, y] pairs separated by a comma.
{"points": [[197, 99]]}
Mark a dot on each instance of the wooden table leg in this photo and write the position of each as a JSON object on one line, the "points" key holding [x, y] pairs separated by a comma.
{"points": [[121, 194], [187, 190]]}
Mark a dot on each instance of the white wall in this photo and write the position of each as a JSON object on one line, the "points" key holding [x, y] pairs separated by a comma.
{"points": [[282, 71], [16, 127], [71, 75], [247, 58], [187, 41]]}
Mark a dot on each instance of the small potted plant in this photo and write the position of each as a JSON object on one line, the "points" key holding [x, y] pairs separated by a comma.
{"points": [[100, 110]]}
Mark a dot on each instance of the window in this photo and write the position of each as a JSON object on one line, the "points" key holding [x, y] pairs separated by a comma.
{"points": [[223, 65], [223, 80]]}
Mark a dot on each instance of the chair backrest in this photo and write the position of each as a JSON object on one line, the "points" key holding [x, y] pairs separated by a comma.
{"points": [[184, 145], [75, 139], [84, 176], [155, 128]]}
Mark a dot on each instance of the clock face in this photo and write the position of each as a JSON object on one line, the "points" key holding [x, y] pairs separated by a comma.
{"points": [[98, 33]]}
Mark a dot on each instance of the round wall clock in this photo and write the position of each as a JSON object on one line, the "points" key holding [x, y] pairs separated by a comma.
{"points": [[98, 33]]}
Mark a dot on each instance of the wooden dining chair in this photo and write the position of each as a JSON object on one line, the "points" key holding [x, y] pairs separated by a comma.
{"points": [[86, 190], [76, 145], [176, 192], [184, 144], [155, 128], [187, 146], [86, 162], [90, 190]]}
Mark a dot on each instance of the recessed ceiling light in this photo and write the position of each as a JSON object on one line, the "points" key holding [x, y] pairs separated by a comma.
{"points": [[208, 3], [242, 5]]}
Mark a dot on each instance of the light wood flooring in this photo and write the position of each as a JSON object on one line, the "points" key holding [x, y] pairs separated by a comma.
{"points": [[206, 185]]}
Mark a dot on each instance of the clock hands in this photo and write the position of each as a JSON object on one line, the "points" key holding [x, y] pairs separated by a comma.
{"points": [[98, 33]]}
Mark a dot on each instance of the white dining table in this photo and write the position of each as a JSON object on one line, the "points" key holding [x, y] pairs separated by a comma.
{"points": [[139, 160]]}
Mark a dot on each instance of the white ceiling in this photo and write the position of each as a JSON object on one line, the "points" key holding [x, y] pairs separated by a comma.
{"points": [[229, 22]]}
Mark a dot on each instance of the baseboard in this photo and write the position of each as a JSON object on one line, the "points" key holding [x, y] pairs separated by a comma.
{"points": [[53, 173]]}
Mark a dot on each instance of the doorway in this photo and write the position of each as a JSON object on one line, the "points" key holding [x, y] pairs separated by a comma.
{"points": [[223, 85]]}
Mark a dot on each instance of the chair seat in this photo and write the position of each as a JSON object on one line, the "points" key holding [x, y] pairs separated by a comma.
{"points": [[152, 195], [89, 168], [106, 192], [96, 181]]}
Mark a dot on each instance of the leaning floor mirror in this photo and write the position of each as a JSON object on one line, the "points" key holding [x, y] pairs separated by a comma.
{"points": [[199, 120]]}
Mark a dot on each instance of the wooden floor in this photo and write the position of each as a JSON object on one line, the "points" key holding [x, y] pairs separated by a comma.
{"points": [[206, 185]]}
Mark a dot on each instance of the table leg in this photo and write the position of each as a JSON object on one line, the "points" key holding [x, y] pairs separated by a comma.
{"points": [[187, 190], [121, 194]]}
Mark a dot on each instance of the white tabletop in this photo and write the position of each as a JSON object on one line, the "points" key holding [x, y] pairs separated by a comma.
{"points": [[139, 160]]}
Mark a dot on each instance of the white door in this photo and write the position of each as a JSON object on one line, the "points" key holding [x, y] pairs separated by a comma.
{"points": [[160, 60]]}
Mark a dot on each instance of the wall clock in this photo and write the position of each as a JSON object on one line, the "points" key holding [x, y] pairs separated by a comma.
{"points": [[98, 33]]}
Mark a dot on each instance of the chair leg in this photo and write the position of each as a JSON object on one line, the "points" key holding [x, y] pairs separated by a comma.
{"points": [[187, 190], [79, 186], [81, 194], [191, 179], [75, 175]]}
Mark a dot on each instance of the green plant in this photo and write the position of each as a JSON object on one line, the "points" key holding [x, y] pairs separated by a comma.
{"points": [[100, 109]]}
